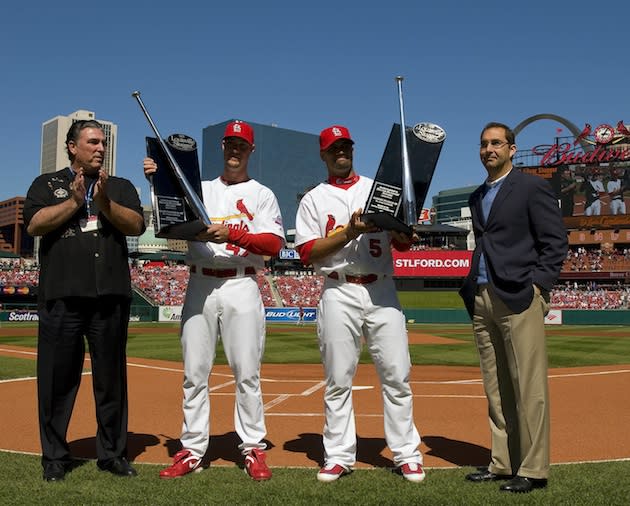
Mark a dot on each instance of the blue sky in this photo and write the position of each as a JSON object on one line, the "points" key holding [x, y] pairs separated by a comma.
{"points": [[305, 67]]}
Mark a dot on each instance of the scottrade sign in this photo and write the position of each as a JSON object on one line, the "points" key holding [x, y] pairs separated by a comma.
{"points": [[432, 263]]}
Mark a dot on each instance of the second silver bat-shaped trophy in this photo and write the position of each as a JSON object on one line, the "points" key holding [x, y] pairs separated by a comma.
{"points": [[404, 174], [178, 210]]}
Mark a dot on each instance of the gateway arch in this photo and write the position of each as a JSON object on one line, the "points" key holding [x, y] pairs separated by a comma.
{"points": [[554, 117]]}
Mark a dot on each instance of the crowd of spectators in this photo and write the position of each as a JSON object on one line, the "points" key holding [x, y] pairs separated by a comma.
{"points": [[161, 282], [597, 260], [18, 272], [164, 283], [590, 296], [301, 290], [265, 289]]}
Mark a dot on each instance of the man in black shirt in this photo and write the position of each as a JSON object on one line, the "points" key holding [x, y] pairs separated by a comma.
{"points": [[83, 216]]}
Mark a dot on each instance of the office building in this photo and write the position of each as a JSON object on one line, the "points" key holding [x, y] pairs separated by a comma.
{"points": [[448, 204], [13, 236], [54, 155], [286, 161]]}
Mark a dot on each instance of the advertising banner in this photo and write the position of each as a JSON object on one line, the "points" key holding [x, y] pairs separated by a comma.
{"points": [[432, 263], [554, 317], [19, 316], [272, 314], [290, 314], [18, 290], [170, 313]]}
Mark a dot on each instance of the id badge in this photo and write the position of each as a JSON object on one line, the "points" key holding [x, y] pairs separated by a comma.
{"points": [[90, 224]]}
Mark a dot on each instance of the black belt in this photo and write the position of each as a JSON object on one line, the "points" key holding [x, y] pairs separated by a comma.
{"points": [[364, 279], [222, 273]]}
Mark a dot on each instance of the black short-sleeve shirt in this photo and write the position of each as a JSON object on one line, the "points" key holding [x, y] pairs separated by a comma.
{"points": [[76, 263]]}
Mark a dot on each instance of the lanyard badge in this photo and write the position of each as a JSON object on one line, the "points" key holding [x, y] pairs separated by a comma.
{"points": [[91, 223]]}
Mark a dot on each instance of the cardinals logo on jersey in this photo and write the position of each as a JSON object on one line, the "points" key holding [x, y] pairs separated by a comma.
{"points": [[240, 205], [331, 229], [330, 224]]}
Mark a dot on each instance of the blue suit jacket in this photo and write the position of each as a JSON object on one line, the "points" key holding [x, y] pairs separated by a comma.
{"points": [[524, 241]]}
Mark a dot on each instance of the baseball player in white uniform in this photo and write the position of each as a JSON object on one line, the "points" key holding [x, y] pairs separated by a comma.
{"points": [[593, 189], [223, 300], [615, 189], [358, 300]]}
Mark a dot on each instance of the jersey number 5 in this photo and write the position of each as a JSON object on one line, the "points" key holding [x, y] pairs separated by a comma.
{"points": [[375, 248]]}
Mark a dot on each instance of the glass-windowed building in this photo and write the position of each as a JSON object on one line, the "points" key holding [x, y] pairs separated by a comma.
{"points": [[286, 161], [54, 155], [448, 204]]}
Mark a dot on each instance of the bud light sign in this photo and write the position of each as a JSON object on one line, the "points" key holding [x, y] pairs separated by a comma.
{"points": [[290, 314]]}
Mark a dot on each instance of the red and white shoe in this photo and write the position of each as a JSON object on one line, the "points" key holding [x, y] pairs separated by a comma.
{"points": [[412, 471], [332, 472], [184, 462], [255, 465]]}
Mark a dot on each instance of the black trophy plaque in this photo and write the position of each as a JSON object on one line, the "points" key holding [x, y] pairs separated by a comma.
{"points": [[173, 217], [384, 205]]}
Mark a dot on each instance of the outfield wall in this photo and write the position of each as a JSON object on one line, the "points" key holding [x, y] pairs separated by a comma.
{"points": [[608, 317], [292, 315], [556, 316]]}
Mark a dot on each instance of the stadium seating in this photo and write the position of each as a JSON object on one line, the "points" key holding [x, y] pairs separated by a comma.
{"points": [[165, 283]]}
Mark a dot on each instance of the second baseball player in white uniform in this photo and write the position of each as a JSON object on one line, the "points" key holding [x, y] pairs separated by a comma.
{"points": [[615, 188], [593, 189], [223, 300], [358, 300]]}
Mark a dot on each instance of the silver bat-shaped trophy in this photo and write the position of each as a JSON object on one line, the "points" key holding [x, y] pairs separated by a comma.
{"points": [[404, 174], [170, 201]]}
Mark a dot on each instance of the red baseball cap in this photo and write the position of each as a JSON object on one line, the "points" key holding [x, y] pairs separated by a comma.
{"points": [[239, 129], [332, 134]]}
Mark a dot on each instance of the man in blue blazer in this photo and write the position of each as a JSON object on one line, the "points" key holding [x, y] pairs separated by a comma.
{"points": [[521, 243]]}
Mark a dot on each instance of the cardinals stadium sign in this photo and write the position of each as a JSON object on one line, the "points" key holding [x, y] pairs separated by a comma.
{"points": [[565, 154], [590, 174], [603, 147]]}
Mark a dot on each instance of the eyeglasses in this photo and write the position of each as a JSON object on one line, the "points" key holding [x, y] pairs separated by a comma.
{"points": [[495, 143]]}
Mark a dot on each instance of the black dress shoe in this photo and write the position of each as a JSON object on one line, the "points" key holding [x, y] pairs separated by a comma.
{"points": [[118, 466], [54, 471], [486, 475], [521, 484]]}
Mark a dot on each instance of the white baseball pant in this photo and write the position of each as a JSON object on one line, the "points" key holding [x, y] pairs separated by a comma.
{"points": [[231, 309], [347, 312]]}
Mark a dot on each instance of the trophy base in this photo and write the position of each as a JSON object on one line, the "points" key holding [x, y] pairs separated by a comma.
{"points": [[185, 231], [387, 221]]}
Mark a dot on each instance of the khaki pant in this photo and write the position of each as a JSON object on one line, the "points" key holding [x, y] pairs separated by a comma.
{"points": [[513, 359]]}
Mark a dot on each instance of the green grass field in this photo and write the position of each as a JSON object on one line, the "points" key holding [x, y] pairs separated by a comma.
{"points": [[568, 345], [577, 484], [437, 299]]}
